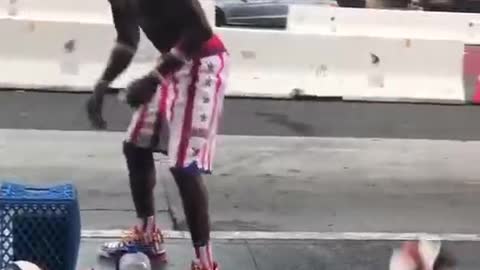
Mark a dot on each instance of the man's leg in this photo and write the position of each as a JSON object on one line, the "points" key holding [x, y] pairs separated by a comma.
{"points": [[138, 152], [192, 145], [194, 196], [145, 235], [141, 172]]}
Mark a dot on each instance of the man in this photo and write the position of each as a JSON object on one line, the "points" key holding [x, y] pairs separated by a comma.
{"points": [[177, 109], [422, 255]]}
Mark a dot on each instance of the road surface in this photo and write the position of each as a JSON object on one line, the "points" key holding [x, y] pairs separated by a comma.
{"points": [[282, 166], [62, 111]]}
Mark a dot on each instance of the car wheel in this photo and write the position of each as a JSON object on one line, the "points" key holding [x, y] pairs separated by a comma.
{"points": [[220, 19]]}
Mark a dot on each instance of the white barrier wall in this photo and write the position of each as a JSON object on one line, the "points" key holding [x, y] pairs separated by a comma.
{"points": [[410, 70], [93, 11], [328, 65], [38, 56], [48, 49], [81, 11], [385, 23]]}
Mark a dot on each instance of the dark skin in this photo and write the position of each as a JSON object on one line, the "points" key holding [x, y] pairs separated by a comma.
{"points": [[445, 261], [179, 24]]}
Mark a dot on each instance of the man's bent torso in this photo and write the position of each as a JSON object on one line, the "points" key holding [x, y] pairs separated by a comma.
{"points": [[166, 23]]}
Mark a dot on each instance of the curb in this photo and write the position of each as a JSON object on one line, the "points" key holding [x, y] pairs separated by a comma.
{"points": [[305, 236]]}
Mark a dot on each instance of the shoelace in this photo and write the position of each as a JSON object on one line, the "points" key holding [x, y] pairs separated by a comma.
{"points": [[131, 235], [134, 235]]}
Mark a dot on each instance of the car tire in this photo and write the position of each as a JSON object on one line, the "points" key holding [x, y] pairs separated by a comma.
{"points": [[352, 3], [220, 19]]}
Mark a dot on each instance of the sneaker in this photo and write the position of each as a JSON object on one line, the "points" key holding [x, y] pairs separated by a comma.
{"points": [[196, 265], [153, 248]]}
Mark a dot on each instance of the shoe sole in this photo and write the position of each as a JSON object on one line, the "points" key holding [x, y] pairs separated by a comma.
{"points": [[160, 257]]}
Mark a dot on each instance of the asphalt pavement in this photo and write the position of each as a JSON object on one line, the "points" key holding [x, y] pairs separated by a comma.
{"points": [[270, 183], [282, 166], [256, 117], [288, 255]]}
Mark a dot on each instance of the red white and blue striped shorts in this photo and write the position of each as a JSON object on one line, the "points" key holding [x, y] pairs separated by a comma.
{"points": [[181, 120]]}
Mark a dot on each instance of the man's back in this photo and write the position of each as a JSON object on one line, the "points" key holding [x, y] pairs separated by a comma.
{"points": [[165, 22]]}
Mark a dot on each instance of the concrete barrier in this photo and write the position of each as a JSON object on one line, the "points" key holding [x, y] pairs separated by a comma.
{"points": [[66, 55], [471, 73], [274, 63], [385, 23], [46, 54], [49, 48], [327, 65], [413, 70], [81, 11]]}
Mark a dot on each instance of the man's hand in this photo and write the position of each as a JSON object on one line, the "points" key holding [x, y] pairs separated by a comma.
{"points": [[169, 63], [141, 90], [94, 106]]}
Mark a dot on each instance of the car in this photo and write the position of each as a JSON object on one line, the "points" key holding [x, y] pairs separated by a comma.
{"points": [[352, 3], [437, 5], [270, 14], [390, 4], [451, 5]]}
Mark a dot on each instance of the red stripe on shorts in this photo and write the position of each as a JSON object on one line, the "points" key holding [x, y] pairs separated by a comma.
{"points": [[214, 114], [175, 96], [139, 124], [187, 118], [161, 110], [209, 255]]}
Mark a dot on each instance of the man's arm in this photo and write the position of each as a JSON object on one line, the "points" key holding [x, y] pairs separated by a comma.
{"points": [[128, 37], [196, 33]]}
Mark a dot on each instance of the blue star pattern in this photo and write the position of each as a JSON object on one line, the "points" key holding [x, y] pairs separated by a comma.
{"points": [[211, 67], [208, 82], [195, 151]]}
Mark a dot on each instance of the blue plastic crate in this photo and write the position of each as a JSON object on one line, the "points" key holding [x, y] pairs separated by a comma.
{"points": [[40, 225]]}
